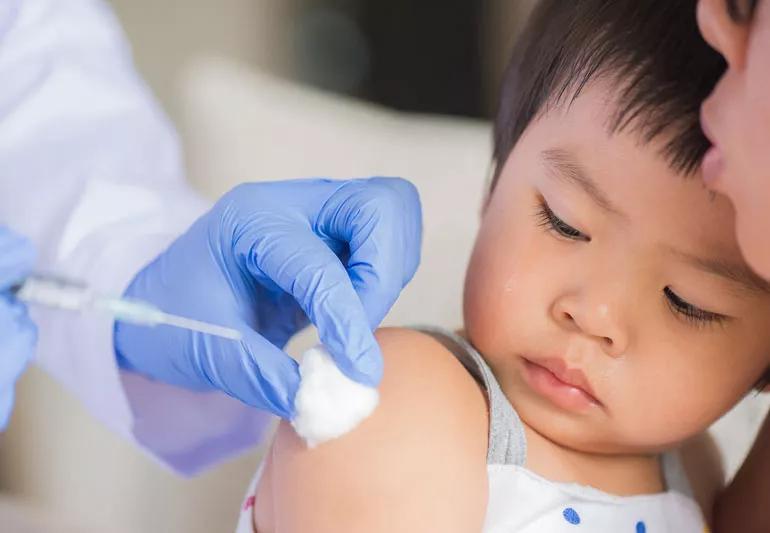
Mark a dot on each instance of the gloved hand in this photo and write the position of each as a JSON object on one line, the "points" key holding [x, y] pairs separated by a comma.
{"points": [[17, 332], [263, 260]]}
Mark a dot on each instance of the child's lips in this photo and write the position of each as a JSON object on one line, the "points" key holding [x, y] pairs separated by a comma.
{"points": [[566, 387]]}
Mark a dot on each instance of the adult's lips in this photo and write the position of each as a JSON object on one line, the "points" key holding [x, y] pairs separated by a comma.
{"points": [[712, 166], [713, 161]]}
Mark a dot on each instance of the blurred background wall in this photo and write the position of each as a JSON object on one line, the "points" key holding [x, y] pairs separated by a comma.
{"points": [[443, 57], [359, 87]]}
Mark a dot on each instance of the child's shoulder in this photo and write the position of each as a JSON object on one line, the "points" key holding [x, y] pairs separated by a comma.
{"points": [[417, 359], [417, 464], [427, 388]]}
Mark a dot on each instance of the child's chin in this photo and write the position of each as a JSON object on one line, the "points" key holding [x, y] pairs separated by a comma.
{"points": [[564, 428]]}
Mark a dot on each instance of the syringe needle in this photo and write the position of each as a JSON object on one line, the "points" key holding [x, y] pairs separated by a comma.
{"points": [[197, 325], [139, 312]]}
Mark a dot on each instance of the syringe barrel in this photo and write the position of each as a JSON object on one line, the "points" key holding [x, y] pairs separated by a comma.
{"points": [[55, 292]]}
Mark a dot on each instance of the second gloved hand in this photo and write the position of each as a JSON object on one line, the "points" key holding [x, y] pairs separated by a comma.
{"points": [[265, 259], [17, 332]]}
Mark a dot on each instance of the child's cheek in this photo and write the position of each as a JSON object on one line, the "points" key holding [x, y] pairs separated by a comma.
{"points": [[664, 404], [482, 305], [503, 289]]}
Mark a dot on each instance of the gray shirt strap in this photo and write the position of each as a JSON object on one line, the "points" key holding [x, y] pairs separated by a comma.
{"points": [[507, 443]]}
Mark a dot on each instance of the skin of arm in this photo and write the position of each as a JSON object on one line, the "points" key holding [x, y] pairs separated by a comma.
{"points": [[416, 465], [742, 506]]}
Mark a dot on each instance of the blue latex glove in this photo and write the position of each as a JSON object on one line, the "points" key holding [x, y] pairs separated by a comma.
{"points": [[263, 260], [17, 332]]}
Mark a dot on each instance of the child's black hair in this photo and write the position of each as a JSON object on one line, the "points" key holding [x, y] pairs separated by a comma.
{"points": [[649, 50]]}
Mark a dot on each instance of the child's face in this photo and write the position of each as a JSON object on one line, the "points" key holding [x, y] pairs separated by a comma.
{"points": [[633, 278]]}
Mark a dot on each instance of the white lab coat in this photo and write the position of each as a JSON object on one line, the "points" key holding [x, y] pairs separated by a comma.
{"points": [[90, 170]]}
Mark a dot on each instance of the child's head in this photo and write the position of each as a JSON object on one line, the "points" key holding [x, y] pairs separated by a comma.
{"points": [[600, 252]]}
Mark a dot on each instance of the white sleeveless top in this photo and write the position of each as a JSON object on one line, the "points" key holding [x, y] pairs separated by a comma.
{"points": [[521, 501]]}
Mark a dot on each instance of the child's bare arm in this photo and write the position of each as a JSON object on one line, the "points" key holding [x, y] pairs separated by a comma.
{"points": [[417, 464]]}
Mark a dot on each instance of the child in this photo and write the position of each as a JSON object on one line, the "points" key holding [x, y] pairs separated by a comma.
{"points": [[609, 317]]}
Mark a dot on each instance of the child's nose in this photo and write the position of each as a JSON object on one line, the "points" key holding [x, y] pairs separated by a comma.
{"points": [[595, 318]]}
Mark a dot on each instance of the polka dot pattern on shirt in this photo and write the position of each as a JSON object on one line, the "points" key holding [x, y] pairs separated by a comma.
{"points": [[571, 516]]}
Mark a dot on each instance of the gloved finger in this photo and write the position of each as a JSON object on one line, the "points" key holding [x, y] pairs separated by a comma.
{"points": [[17, 256], [280, 319], [303, 266], [381, 220], [6, 404], [11, 309], [252, 370], [18, 336], [14, 313]]}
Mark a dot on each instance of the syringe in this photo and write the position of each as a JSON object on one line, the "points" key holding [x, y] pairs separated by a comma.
{"points": [[59, 293]]}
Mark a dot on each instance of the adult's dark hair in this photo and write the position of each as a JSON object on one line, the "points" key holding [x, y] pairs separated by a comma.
{"points": [[650, 51]]}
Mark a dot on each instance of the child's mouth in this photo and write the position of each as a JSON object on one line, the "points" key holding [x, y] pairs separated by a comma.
{"points": [[566, 388]]}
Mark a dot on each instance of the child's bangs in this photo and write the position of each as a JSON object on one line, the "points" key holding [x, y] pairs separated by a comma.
{"points": [[659, 67]]}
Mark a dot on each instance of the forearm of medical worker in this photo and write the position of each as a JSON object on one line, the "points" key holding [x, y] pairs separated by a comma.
{"points": [[743, 504]]}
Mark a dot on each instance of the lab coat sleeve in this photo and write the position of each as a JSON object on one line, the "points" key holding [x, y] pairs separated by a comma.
{"points": [[90, 170]]}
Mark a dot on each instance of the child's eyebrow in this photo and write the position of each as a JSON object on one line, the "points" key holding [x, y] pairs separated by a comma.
{"points": [[739, 273], [562, 165]]}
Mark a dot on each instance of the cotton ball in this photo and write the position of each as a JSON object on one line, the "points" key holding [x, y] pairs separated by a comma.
{"points": [[328, 404]]}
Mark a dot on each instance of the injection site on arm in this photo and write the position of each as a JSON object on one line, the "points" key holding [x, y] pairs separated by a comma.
{"points": [[328, 404], [416, 464]]}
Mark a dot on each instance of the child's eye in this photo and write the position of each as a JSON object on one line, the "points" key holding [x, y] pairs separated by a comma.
{"points": [[689, 312], [547, 219]]}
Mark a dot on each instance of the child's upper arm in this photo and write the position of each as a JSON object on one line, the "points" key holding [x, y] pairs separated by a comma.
{"points": [[417, 464]]}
